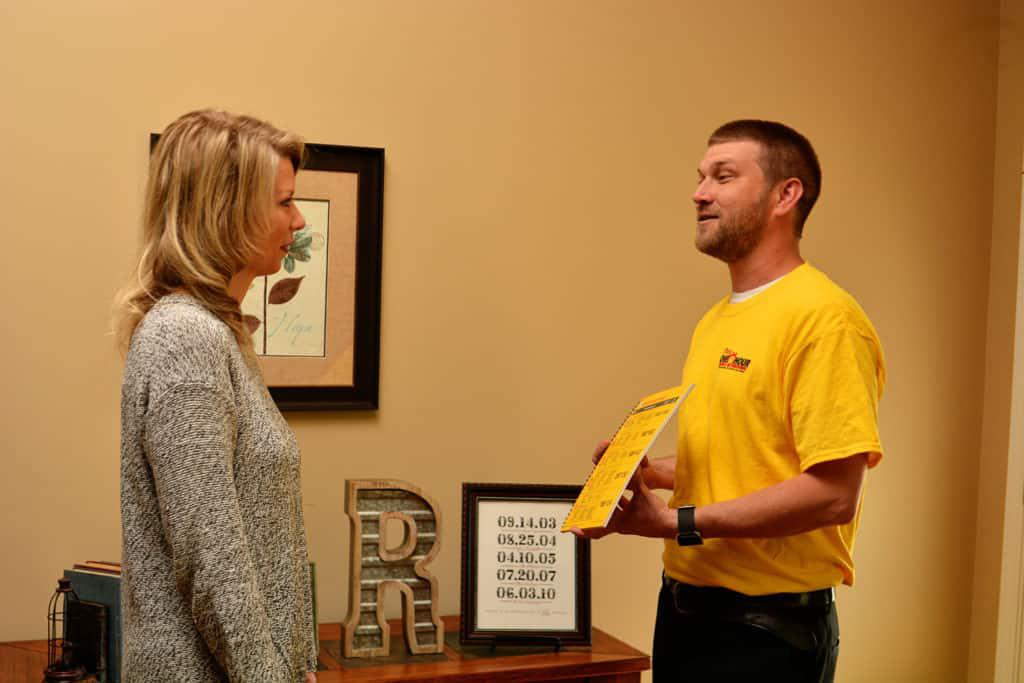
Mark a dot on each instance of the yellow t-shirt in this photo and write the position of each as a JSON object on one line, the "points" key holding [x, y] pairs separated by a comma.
{"points": [[784, 380]]}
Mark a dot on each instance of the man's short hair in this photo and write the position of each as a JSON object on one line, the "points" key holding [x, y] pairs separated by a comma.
{"points": [[785, 154]]}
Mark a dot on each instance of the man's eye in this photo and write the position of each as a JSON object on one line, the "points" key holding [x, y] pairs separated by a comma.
{"points": [[724, 178]]}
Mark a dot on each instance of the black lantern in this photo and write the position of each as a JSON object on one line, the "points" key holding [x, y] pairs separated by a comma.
{"points": [[60, 652]]}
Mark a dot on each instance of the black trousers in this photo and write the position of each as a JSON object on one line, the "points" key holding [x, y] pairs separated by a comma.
{"points": [[714, 635]]}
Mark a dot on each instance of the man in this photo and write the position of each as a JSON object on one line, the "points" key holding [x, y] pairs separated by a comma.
{"points": [[774, 440]]}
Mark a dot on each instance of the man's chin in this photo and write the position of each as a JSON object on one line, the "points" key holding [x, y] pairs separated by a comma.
{"points": [[713, 248], [727, 253]]}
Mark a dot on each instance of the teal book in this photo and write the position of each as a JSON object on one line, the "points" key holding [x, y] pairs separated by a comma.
{"points": [[105, 589]]}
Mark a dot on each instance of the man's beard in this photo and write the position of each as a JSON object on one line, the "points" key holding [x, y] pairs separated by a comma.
{"points": [[737, 234]]}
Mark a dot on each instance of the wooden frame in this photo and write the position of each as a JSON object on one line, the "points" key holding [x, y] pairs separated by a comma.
{"points": [[539, 577], [316, 323]]}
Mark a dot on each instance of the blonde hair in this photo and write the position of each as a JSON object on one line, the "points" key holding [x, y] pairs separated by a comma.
{"points": [[207, 207]]}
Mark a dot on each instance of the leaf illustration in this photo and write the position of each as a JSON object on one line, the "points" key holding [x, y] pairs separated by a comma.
{"points": [[284, 290], [289, 263], [252, 322]]}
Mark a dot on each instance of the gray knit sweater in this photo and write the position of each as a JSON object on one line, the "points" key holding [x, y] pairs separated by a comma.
{"points": [[216, 581]]}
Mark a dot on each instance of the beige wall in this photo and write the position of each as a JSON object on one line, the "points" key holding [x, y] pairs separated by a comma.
{"points": [[540, 157]]}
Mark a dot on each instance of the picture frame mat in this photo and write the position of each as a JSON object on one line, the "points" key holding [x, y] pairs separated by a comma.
{"points": [[558, 616]]}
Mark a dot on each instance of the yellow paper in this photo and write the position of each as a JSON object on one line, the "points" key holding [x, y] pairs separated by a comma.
{"points": [[596, 502]]}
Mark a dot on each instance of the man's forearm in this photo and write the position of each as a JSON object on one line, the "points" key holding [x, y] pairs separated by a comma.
{"points": [[825, 495]]}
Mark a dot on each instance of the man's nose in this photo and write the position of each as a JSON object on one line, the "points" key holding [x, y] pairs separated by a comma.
{"points": [[701, 195]]}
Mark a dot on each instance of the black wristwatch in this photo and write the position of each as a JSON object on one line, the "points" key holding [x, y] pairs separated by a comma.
{"points": [[688, 534]]}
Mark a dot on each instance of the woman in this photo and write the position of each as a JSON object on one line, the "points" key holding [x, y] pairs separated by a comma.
{"points": [[216, 582]]}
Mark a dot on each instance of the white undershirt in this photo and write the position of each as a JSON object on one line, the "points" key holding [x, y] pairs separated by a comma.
{"points": [[737, 297]]}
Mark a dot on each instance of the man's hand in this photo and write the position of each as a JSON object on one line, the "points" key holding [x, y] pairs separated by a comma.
{"points": [[310, 677], [645, 514], [658, 474]]}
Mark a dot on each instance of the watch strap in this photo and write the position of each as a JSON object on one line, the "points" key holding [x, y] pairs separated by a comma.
{"points": [[688, 534]]}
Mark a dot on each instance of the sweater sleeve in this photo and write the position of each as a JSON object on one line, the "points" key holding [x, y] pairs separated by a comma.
{"points": [[190, 441]]}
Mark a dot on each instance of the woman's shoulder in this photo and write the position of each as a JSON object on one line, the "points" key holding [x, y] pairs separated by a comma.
{"points": [[180, 313], [179, 340]]}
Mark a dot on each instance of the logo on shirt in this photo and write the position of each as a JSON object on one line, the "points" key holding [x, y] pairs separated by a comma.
{"points": [[731, 360]]}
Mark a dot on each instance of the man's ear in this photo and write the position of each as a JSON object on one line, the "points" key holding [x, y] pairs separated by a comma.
{"points": [[789, 192]]}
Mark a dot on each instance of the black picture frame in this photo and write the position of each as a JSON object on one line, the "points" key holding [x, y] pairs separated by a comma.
{"points": [[364, 391], [511, 496]]}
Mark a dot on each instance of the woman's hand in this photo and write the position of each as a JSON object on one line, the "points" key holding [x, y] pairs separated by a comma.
{"points": [[310, 677]]}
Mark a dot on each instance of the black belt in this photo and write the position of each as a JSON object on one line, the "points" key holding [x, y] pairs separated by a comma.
{"points": [[717, 597]]}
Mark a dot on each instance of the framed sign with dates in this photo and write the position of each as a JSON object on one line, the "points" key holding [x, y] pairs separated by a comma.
{"points": [[522, 578]]}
